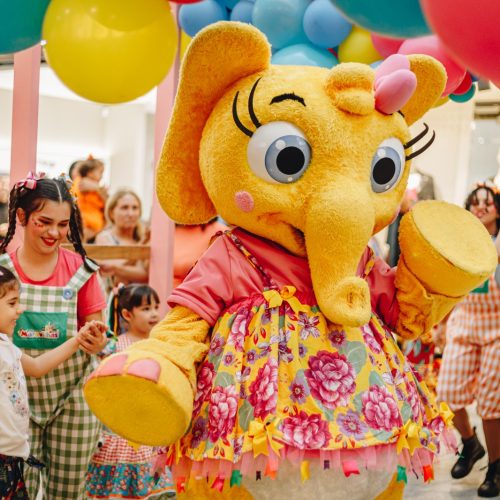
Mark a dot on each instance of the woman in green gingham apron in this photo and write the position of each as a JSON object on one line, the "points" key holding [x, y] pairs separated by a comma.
{"points": [[60, 292]]}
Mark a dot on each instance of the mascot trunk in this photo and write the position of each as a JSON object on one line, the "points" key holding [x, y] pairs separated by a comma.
{"points": [[276, 373]]}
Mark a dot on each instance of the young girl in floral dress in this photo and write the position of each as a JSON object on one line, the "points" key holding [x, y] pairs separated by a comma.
{"points": [[117, 469]]}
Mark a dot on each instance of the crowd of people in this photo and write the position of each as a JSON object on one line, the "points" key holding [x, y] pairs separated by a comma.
{"points": [[53, 330]]}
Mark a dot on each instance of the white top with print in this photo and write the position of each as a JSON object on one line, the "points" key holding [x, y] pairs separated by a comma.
{"points": [[14, 414]]}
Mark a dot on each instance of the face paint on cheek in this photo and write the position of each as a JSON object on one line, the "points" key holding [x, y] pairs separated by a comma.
{"points": [[244, 201]]}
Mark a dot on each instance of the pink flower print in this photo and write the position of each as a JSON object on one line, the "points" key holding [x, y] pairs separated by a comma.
{"points": [[437, 425], [370, 339], [199, 432], [380, 409], [337, 338], [306, 432], [237, 444], [264, 389], [251, 356], [216, 345], [265, 349], [351, 424], [243, 374], [266, 316], [308, 326], [298, 391], [284, 352], [331, 379], [228, 359], [414, 400], [222, 412], [302, 350], [239, 330], [206, 377]]}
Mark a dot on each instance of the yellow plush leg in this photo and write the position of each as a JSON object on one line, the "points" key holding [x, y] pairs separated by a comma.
{"points": [[201, 490], [394, 491]]}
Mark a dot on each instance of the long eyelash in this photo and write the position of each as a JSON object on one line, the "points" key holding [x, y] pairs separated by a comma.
{"points": [[236, 119], [251, 111], [422, 149], [413, 141]]}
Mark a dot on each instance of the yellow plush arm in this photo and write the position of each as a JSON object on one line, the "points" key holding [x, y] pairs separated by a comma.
{"points": [[445, 253]]}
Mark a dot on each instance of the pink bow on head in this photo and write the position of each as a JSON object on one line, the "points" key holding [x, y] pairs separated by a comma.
{"points": [[30, 181]]}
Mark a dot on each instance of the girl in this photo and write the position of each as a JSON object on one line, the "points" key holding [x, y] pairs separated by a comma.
{"points": [[14, 365], [117, 470], [469, 370], [91, 196], [60, 293]]}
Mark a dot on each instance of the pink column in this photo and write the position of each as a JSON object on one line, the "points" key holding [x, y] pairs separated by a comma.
{"points": [[24, 116], [162, 228]]}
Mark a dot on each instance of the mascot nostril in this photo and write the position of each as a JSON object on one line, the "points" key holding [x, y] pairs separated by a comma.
{"points": [[277, 368]]}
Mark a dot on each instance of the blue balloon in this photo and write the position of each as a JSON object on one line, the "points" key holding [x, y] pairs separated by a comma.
{"points": [[21, 24], [324, 25], [394, 18], [194, 17], [304, 55], [228, 3], [281, 20], [464, 97], [376, 64], [242, 12]]}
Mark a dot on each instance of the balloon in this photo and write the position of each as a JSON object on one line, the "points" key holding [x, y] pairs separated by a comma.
{"points": [[324, 25], [467, 96], [376, 64], [469, 31], [304, 55], [21, 24], [396, 18], [280, 21], [242, 12], [441, 101], [358, 47], [185, 41], [185, 1], [385, 45], [228, 3], [193, 18], [465, 85], [431, 46], [110, 51]]}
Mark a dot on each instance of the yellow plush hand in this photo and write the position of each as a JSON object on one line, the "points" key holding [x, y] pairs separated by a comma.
{"points": [[145, 393], [445, 253]]}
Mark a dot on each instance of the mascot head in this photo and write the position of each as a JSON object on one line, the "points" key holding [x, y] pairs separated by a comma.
{"points": [[314, 159]]}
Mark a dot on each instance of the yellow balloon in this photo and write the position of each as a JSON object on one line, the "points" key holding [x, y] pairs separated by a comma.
{"points": [[185, 41], [110, 51], [441, 101], [358, 47]]}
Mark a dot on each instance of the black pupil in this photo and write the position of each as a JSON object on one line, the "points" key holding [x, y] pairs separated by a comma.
{"points": [[383, 171], [290, 160]]}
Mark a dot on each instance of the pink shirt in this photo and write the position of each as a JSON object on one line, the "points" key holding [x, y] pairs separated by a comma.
{"points": [[90, 297], [224, 276]]}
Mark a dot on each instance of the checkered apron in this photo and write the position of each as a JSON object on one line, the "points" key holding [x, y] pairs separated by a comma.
{"points": [[64, 432]]}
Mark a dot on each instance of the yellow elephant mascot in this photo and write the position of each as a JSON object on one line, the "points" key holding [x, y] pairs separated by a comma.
{"points": [[276, 373]]}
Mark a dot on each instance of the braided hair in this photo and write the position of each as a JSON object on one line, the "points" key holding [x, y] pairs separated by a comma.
{"points": [[32, 200]]}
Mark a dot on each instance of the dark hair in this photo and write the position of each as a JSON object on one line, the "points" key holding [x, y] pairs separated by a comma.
{"points": [[72, 168], [128, 297], [32, 200], [86, 166], [495, 196], [8, 281]]}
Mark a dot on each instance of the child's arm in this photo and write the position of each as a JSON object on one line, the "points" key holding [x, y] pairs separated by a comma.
{"points": [[39, 366]]}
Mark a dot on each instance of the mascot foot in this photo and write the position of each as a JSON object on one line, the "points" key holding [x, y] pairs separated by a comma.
{"points": [[142, 396]]}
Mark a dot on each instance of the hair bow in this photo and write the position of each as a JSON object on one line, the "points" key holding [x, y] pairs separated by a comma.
{"points": [[488, 185], [29, 182]]}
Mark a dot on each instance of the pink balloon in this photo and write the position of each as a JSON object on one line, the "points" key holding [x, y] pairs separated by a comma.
{"points": [[386, 46], [469, 30], [431, 46]]}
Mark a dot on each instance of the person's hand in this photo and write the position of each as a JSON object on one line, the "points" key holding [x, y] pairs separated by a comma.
{"points": [[92, 337]]}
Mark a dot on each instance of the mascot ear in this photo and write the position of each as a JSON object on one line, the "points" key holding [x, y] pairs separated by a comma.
{"points": [[431, 80], [218, 56]]}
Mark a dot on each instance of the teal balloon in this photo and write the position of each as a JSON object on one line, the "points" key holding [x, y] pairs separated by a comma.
{"points": [[304, 55], [21, 24], [394, 18], [464, 97]]}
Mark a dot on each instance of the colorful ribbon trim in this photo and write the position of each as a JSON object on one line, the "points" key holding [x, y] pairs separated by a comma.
{"points": [[401, 475], [305, 472], [446, 414], [428, 473], [218, 484], [236, 478], [262, 435], [287, 294], [181, 485], [350, 467], [29, 182], [409, 438]]}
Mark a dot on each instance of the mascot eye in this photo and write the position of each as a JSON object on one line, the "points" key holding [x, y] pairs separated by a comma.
{"points": [[387, 165], [279, 152]]}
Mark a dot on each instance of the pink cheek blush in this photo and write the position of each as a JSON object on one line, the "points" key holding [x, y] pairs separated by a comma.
{"points": [[244, 201]]}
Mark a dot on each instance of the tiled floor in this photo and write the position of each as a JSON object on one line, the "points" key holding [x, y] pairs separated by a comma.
{"points": [[444, 487]]}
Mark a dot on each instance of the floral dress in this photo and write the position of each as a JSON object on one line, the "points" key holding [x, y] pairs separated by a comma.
{"points": [[118, 470], [282, 383]]}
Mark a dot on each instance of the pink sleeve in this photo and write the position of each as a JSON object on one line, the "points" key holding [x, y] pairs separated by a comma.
{"points": [[90, 299], [383, 292], [207, 289]]}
